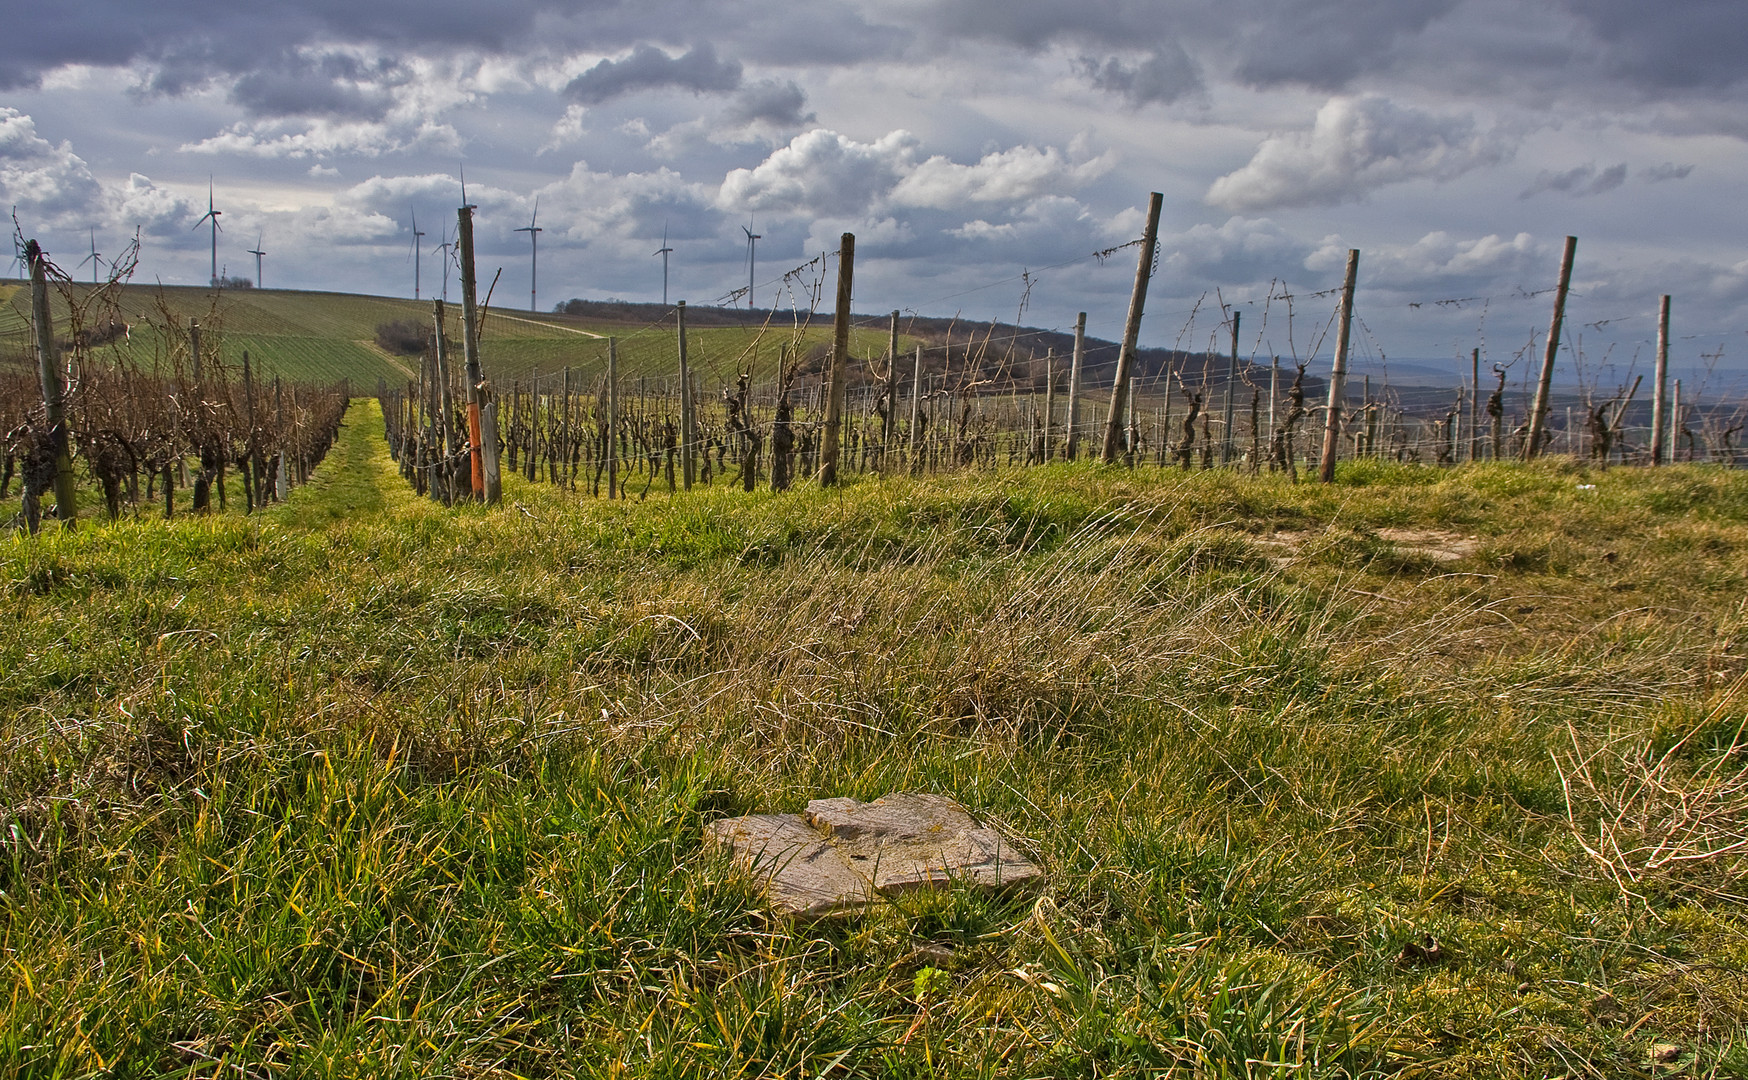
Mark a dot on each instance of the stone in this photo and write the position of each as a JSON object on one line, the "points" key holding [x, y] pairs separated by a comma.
{"points": [[803, 873], [911, 841]]}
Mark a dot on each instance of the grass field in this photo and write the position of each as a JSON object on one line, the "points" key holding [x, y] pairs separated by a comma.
{"points": [[1426, 773], [329, 336]]}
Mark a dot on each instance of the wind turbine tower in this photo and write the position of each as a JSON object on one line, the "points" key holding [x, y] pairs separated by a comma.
{"points": [[213, 216], [94, 259], [257, 252], [664, 253], [533, 232], [417, 236], [446, 247], [753, 239]]}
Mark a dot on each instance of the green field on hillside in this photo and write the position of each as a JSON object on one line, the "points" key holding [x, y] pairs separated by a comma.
{"points": [[1426, 773], [330, 336]]}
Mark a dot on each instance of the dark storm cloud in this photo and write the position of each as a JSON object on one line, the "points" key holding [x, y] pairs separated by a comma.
{"points": [[649, 68], [188, 42], [1164, 77], [770, 101], [1687, 44], [1580, 180], [1669, 170], [1652, 50], [333, 85]]}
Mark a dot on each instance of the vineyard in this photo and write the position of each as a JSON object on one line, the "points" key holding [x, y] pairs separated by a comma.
{"points": [[150, 417], [380, 728]]}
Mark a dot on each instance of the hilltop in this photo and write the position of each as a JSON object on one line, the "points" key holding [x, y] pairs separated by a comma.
{"points": [[327, 335]]}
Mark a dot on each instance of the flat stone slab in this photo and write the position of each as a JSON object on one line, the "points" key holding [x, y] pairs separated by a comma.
{"points": [[909, 841], [803, 872], [840, 854]]}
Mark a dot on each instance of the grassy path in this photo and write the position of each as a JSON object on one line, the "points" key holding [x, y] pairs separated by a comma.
{"points": [[368, 786], [358, 480]]}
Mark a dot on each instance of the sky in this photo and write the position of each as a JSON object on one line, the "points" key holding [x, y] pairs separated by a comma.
{"points": [[982, 151]]}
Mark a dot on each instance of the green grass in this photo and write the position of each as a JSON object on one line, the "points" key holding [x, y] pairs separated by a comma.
{"points": [[365, 786], [330, 336]]}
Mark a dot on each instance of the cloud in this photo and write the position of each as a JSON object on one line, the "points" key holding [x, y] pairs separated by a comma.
{"points": [[1011, 177], [310, 83], [1241, 250], [1440, 260], [1656, 174], [823, 172], [1356, 146], [649, 68], [769, 101], [325, 137], [46, 182], [1163, 76], [1579, 181], [1688, 46]]}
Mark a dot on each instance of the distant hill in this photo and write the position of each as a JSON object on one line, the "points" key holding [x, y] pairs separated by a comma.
{"points": [[326, 336]]}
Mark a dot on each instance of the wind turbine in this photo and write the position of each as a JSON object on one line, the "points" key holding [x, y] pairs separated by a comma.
{"points": [[257, 252], [447, 247], [94, 259], [664, 253], [212, 215], [753, 239], [417, 236], [533, 232]]}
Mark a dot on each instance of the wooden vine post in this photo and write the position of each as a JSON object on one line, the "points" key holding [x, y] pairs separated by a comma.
{"points": [[916, 412], [1231, 385], [1338, 373], [1131, 333], [1073, 445], [1049, 403], [612, 416], [688, 429], [1532, 446], [445, 403], [834, 406], [470, 347], [54, 391], [1660, 389], [891, 416], [1474, 405]]}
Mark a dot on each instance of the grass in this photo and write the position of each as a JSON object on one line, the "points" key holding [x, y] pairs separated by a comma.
{"points": [[330, 336], [366, 786]]}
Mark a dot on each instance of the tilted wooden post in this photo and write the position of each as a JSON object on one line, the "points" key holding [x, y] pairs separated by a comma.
{"points": [[1675, 423], [1231, 384], [493, 489], [250, 482], [840, 365], [446, 402], [54, 391], [891, 395], [1049, 401], [612, 416], [1660, 390], [1131, 333], [916, 410], [282, 478], [688, 429], [1474, 405], [1073, 447], [1332, 416], [470, 347], [1532, 447]]}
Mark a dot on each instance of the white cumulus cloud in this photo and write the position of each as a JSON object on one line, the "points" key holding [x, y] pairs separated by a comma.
{"points": [[1356, 145], [823, 172]]}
